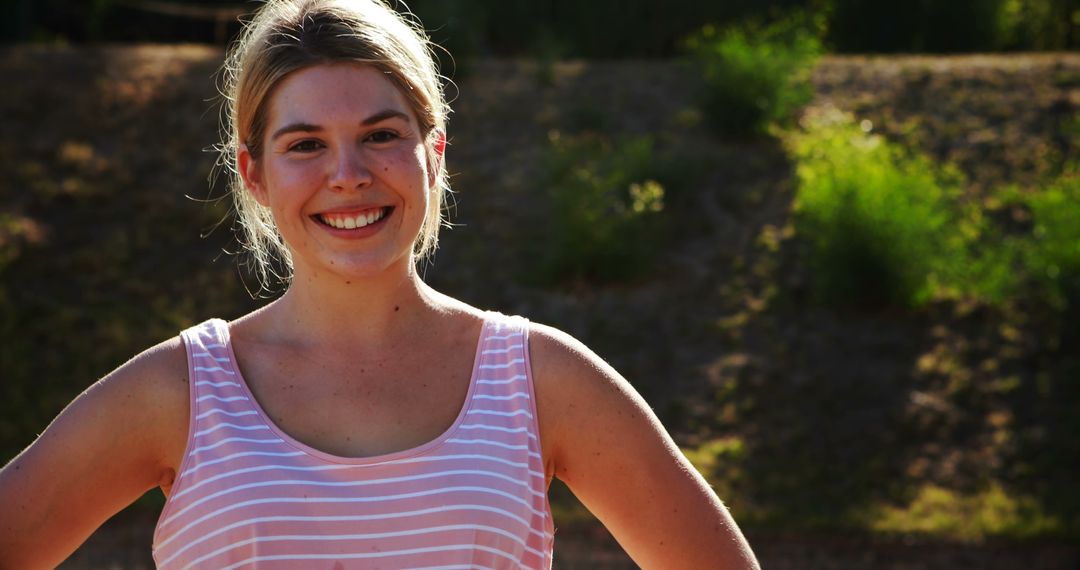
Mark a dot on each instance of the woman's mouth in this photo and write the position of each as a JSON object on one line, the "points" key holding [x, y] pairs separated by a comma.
{"points": [[353, 220]]}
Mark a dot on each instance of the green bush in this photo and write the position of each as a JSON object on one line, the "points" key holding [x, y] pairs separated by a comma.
{"points": [[606, 201], [1039, 25], [755, 75], [1051, 255], [886, 227]]}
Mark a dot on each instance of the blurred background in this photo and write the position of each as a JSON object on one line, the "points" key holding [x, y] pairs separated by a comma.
{"points": [[834, 243]]}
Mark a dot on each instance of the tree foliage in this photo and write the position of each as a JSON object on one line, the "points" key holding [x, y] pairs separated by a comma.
{"points": [[604, 29]]}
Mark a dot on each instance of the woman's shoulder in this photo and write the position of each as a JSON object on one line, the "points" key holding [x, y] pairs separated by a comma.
{"points": [[557, 355], [154, 385], [157, 380], [567, 374], [567, 371], [160, 368]]}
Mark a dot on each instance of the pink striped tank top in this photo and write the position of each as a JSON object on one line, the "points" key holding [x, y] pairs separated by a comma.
{"points": [[248, 495]]}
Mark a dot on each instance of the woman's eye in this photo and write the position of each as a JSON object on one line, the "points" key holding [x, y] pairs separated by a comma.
{"points": [[382, 136], [306, 146]]}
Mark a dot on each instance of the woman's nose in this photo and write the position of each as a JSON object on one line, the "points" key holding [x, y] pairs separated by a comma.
{"points": [[350, 171]]}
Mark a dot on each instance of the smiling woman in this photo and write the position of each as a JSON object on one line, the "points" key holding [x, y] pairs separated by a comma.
{"points": [[290, 36], [347, 128], [362, 419]]}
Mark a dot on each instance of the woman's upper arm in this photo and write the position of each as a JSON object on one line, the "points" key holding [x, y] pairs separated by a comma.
{"points": [[114, 442], [609, 447]]}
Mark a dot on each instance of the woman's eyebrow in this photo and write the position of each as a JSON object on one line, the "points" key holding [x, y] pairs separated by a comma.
{"points": [[384, 115], [309, 128], [295, 127]]}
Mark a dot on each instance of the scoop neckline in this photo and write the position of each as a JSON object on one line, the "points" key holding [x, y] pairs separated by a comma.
{"points": [[222, 329]]}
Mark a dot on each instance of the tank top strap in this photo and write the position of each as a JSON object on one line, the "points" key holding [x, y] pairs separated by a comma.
{"points": [[504, 338], [220, 405], [503, 405], [503, 373], [213, 375], [506, 411]]}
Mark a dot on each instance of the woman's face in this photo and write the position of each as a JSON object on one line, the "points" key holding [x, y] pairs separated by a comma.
{"points": [[344, 171]]}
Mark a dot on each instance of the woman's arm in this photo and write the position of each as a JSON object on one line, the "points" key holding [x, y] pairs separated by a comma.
{"points": [[611, 450], [113, 443]]}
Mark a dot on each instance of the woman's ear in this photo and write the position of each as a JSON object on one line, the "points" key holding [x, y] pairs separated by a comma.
{"points": [[435, 158], [251, 175]]}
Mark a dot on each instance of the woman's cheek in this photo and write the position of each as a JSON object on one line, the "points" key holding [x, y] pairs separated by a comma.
{"points": [[296, 177]]}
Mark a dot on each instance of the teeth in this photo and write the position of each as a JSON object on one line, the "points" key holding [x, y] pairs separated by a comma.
{"points": [[359, 221]]}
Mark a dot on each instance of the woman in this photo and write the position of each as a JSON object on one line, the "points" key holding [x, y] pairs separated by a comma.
{"points": [[362, 419]]}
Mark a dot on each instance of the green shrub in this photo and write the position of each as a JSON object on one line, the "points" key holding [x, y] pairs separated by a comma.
{"points": [[755, 75], [885, 227], [1051, 256], [1037, 25], [605, 200]]}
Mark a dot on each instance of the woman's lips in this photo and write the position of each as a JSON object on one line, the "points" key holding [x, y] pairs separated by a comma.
{"points": [[353, 220]]}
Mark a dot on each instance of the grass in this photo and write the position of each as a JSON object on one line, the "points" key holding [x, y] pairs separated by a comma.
{"points": [[928, 509], [993, 512]]}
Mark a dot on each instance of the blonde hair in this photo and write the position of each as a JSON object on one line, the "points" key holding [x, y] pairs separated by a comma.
{"points": [[288, 35]]}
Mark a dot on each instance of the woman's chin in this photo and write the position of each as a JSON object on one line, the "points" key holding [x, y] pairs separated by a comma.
{"points": [[357, 268]]}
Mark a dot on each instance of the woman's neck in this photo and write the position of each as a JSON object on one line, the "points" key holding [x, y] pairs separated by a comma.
{"points": [[331, 311]]}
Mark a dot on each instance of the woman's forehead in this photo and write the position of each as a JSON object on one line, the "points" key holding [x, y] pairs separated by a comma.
{"points": [[331, 92]]}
